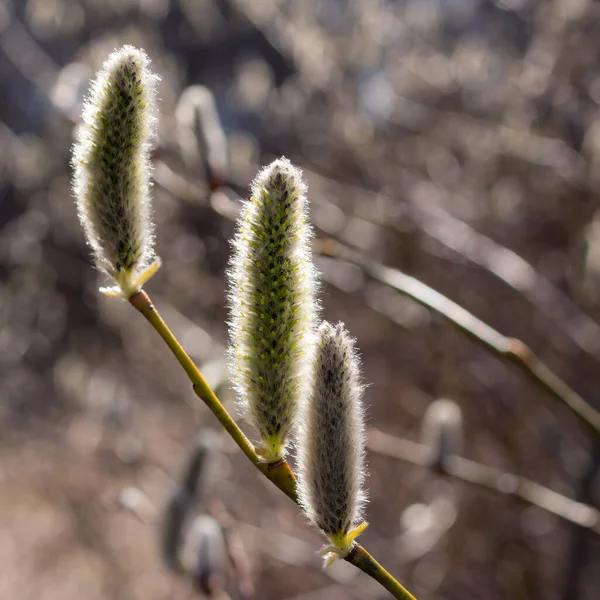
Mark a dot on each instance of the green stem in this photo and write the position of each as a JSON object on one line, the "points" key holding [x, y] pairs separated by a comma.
{"points": [[279, 473], [361, 559]]}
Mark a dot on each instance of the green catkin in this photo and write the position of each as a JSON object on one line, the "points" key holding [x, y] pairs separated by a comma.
{"points": [[273, 306], [111, 161], [331, 441]]}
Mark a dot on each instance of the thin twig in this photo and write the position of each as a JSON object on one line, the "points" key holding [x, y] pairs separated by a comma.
{"points": [[495, 480], [279, 473], [511, 349], [508, 348], [360, 558], [499, 261], [235, 550]]}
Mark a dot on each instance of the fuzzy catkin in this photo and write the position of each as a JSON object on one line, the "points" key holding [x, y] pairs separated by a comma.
{"points": [[331, 439], [205, 555], [194, 485], [111, 160], [272, 303], [200, 133], [441, 432]]}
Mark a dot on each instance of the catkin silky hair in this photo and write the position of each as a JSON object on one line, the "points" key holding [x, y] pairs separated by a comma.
{"points": [[111, 160], [273, 307], [331, 440]]}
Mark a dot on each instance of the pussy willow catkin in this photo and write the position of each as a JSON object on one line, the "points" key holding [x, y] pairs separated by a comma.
{"points": [[442, 432], [112, 170], [331, 439], [273, 306], [193, 486]]}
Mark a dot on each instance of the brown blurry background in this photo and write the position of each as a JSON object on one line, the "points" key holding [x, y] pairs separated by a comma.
{"points": [[456, 140]]}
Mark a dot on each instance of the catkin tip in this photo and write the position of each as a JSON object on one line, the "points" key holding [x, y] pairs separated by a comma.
{"points": [[111, 170]]}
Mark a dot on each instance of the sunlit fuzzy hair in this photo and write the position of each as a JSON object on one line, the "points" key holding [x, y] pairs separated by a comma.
{"points": [[442, 432], [272, 301], [331, 441], [112, 170]]}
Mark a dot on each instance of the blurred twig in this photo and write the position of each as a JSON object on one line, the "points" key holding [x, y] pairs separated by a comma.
{"points": [[481, 250], [235, 548], [28, 57], [508, 348], [511, 349], [497, 481]]}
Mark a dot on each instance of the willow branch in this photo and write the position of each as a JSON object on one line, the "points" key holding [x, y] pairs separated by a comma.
{"points": [[494, 480], [361, 559], [279, 473], [511, 349], [461, 238]]}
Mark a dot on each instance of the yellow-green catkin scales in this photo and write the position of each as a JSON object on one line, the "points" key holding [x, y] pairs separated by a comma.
{"points": [[331, 441], [111, 160], [273, 307]]}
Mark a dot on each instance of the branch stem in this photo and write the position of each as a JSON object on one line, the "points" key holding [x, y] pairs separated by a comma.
{"points": [[279, 473], [494, 480], [511, 349], [361, 559]]}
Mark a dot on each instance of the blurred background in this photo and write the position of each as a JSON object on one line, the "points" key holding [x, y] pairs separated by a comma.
{"points": [[455, 140]]}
